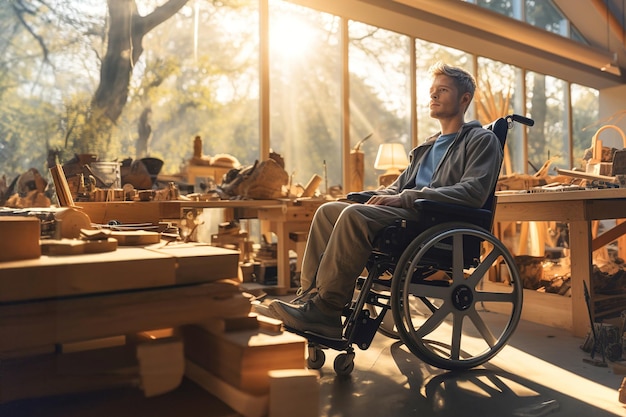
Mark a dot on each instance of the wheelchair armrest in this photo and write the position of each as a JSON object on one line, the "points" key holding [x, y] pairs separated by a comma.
{"points": [[360, 197], [456, 212]]}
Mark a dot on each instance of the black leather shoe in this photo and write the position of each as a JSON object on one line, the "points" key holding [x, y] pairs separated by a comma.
{"points": [[308, 318]]}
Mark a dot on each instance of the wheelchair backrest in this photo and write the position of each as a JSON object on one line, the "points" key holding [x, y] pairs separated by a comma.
{"points": [[501, 128]]}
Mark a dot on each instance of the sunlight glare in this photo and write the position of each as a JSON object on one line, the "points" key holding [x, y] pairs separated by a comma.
{"points": [[290, 38]]}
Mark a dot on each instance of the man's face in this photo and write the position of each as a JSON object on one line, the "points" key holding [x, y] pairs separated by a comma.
{"points": [[445, 100]]}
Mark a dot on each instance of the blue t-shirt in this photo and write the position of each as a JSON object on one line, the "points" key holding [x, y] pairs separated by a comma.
{"points": [[432, 159]]}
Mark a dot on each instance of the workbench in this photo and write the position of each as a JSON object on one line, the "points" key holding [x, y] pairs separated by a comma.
{"points": [[52, 302], [579, 209]]}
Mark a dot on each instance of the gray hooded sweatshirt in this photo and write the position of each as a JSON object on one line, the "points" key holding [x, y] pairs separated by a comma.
{"points": [[466, 174]]}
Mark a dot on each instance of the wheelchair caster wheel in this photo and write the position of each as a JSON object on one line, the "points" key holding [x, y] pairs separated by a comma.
{"points": [[316, 358], [344, 364]]}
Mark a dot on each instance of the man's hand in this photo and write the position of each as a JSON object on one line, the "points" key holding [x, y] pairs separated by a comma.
{"points": [[385, 200]]}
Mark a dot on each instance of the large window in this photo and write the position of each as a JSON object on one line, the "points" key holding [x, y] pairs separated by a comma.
{"points": [[501, 92], [199, 74], [305, 70], [585, 123], [548, 140], [543, 14], [380, 99]]}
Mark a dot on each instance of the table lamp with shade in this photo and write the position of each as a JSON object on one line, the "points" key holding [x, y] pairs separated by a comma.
{"points": [[392, 158]]}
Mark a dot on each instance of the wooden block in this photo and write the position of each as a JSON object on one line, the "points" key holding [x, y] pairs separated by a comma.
{"points": [[62, 247], [65, 247], [269, 324], [161, 365], [246, 404], [56, 374], [92, 344], [299, 236], [198, 262], [244, 358], [123, 211], [231, 324], [100, 245], [57, 276], [294, 392], [19, 238], [33, 324], [136, 237], [619, 162], [72, 220]]}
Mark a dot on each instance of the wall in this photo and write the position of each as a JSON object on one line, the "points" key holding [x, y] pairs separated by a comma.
{"points": [[612, 111]]}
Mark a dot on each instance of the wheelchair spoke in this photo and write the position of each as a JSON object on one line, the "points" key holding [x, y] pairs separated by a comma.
{"points": [[482, 327], [497, 297], [433, 321], [484, 266], [457, 258], [430, 291], [457, 332]]}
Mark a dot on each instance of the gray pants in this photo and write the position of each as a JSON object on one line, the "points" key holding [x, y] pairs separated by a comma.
{"points": [[339, 244]]}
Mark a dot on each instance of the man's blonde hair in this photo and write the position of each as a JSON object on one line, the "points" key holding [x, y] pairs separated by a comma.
{"points": [[464, 81]]}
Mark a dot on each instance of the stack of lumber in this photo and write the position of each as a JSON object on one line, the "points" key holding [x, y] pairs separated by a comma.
{"points": [[237, 360], [154, 366]]}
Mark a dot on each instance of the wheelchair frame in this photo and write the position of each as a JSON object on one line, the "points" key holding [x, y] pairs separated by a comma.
{"points": [[440, 291]]}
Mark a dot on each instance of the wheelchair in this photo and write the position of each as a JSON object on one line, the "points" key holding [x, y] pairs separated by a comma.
{"points": [[453, 288]]}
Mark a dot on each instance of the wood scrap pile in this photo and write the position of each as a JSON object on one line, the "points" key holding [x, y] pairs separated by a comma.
{"points": [[541, 178], [262, 181], [26, 190]]}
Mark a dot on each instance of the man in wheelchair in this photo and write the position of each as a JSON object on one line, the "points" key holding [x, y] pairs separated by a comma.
{"points": [[458, 165]]}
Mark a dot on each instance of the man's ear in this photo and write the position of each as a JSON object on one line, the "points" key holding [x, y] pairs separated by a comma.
{"points": [[466, 99]]}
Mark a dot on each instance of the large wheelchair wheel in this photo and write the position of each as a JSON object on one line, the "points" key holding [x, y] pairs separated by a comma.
{"points": [[449, 312]]}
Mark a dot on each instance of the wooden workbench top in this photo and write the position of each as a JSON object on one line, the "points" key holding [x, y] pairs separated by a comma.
{"points": [[586, 194]]}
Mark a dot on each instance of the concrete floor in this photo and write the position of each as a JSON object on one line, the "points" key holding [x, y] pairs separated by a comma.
{"points": [[540, 372]]}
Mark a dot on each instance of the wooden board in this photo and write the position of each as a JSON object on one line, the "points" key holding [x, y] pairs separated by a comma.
{"points": [[246, 404], [41, 323], [200, 262], [19, 238], [123, 211], [55, 374], [56, 276], [64, 247], [243, 358], [136, 237], [61, 186]]}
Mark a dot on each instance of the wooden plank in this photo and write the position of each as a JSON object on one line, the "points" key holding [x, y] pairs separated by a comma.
{"points": [[243, 358], [55, 374], [294, 392], [122, 211], [161, 365], [574, 195], [539, 211], [609, 236], [26, 325], [53, 276], [201, 262], [246, 404], [61, 186], [24, 232], [155, 366]]}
